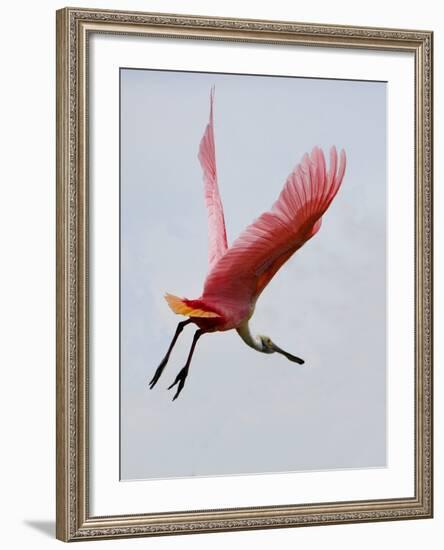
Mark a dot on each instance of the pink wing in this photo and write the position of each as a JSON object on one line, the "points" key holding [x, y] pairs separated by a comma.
{"points": [[217, 237], [256, 255]]}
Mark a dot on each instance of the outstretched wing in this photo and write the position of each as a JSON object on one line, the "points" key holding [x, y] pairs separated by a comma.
{"points": [[217, 237], [256, 255]]}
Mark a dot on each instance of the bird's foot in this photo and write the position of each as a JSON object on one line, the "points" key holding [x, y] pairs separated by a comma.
{"points": [[180, 379], [157, 374]]}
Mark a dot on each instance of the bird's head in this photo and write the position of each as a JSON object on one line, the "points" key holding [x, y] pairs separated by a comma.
{"points": [[268, 346]]}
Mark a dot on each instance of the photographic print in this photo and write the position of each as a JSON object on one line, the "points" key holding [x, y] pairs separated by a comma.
{"points": [[252, 274], [244, 274]]}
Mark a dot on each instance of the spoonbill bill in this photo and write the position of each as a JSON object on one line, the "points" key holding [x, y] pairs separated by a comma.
{"points": [[238, 274]]}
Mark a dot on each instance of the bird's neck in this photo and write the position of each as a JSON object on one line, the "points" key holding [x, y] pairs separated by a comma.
{"points": [[252, 341]]}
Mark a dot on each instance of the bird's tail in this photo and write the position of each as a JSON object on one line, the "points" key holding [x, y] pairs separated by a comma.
{"points": [[190, 308]]}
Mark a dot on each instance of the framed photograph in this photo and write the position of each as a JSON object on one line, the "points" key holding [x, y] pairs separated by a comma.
{"points": [[244, 274]]}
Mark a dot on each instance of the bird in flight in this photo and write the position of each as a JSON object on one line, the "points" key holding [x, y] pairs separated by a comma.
{"points": [[238, 274]]}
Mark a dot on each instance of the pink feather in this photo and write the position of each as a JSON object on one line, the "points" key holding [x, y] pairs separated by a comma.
{"points": [[239, 276], [217, 237]]}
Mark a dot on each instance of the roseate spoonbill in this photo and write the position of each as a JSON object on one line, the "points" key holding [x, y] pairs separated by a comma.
{"points": [[237, 275]]}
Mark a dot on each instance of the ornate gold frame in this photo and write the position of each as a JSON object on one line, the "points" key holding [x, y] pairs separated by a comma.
{"points": [[73, 519]]}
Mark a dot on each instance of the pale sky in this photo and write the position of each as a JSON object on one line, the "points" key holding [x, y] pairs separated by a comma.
{"points": [[242, 411]]}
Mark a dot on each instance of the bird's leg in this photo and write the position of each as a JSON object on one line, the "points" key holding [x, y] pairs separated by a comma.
{"points": [[183, 373], [162, 365]]}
